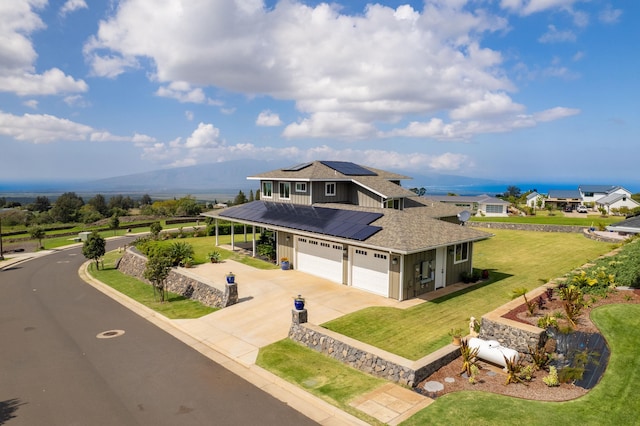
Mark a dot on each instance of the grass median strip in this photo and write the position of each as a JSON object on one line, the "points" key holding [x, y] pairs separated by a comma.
{"points": [[177, 307]]}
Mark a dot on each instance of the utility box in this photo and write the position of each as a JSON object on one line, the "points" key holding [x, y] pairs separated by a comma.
{"points": [[84, 236]]}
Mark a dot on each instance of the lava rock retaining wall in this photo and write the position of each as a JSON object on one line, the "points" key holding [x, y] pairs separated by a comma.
{"points": [[133, 264], [369, 359], [527, 227]]}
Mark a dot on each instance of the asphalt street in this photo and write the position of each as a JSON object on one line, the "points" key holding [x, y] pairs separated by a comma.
{"points": [[69, 355]]}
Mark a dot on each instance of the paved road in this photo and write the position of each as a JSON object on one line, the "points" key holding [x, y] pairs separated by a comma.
{"points": [[55, 371]]}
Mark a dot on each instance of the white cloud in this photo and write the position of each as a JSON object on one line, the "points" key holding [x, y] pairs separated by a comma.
{"points": [[183, 93], [45, 128], [268, 119], [188, 115], [72, 6], [528, 7], [555, 36], [31, 103], [610, 15], [18, 20], [205, 136], [76, 101]]}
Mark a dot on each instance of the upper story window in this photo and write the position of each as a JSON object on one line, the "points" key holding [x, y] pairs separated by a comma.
{"points": [[301, 186], [267, 190], [285, 190], [330, 189], [393, 203], [461, 253]]}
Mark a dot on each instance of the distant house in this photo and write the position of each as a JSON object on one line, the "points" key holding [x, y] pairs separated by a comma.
{"points": [[626, 227], [561, 198], [480, 205], [592, 193], [616, 201], [532, 200], [357, 226]]}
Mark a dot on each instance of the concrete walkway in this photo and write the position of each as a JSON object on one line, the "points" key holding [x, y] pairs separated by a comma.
{"points": [[233, 336]]}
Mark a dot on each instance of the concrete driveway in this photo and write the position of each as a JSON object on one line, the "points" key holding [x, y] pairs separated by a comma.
{"points": [[263, 313]]}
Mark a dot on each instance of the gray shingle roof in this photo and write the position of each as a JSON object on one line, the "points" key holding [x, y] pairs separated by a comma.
{"points": [[603, 189], [564, 193]]}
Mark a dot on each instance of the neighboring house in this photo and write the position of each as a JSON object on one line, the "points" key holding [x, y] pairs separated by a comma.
{"points": [[480, 205], [357, 226], [592, 193], [561, 198], [616, 200], [532, 200], [626, 227]]}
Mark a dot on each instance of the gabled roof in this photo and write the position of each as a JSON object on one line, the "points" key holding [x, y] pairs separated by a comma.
{"points": [[376, 180], [631, 225], [404, 231], [601, 189], [613, 198], [532, 195], [480, 199], [564, 193]]}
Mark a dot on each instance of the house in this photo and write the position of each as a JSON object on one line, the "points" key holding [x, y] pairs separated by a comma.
{"points": [[480, 205], [561, 198], [358, 226], [629, 226], [535, 200], [608, 197]]}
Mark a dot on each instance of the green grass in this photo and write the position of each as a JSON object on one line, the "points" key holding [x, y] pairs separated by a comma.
{"points": [[542, 218], [320, 375], [515, 259], [613, 401], [177, 307]]}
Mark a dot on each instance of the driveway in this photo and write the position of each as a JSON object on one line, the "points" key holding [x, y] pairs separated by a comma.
{"points": [[263, 313]]}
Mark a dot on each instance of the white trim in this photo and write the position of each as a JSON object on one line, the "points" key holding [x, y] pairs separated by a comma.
{"points": [[281, 184], [262, 193], [326, 189], [302, 185]]}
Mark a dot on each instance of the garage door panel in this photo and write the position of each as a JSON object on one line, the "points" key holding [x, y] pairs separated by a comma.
{"points": [[320, 258], [370, 271]]}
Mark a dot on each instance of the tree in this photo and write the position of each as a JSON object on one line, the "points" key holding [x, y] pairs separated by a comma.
{"points": [[94, 248], [157, 271], [114, 223], [251, 195], [188, 206], [240, 198], [67, 208], [146, 200], [41, 204], [99, 204], [420, 191], [513, 191], [38, 234], [155, 229]]}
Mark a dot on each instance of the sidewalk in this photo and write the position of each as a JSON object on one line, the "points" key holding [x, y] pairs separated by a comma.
{"points": [[233, 336]]}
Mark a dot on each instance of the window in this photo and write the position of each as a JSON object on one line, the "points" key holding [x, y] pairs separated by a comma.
{"points": [[330, 189], [301, 187], [285, 190], [493, 208], [461, 253], [392, 204], [267, 190]]}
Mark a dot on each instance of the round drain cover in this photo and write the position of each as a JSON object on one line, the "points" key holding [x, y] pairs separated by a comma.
{"points": [[109, 334]]}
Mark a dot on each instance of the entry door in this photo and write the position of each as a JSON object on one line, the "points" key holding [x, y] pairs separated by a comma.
{"points": [[441, 267]]}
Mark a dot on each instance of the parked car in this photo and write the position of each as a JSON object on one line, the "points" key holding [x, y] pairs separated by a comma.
{"points": [[568, 208], [582, 209]]}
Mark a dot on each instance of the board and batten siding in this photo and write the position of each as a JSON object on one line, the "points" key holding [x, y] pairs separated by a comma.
{"points": [[455, 270], [411, 286], [365, 198], [342, 192]]}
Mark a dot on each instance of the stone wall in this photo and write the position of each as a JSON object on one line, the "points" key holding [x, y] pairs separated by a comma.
{"points": [[527, 227], [370, 359], [180, 282]]}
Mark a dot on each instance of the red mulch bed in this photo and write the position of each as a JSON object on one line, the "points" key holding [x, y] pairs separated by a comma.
{"points": [[492, 378]]}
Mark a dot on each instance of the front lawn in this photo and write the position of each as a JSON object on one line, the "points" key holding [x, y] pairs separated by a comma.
{"points": [[516, 259], [613, 401], [176, 307], [320, 375], [542, 218]]}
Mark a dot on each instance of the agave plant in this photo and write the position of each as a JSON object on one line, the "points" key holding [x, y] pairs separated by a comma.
{"points": [[469, 357]]}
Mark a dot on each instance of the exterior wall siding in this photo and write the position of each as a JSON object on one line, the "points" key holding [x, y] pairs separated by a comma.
{"points": [[285, 247], [411, 286], [343, 193], [455, 270], [366, 198]]}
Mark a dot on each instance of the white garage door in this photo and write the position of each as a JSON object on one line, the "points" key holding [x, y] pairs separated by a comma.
{"points": [[320, 258], [370, 271]]}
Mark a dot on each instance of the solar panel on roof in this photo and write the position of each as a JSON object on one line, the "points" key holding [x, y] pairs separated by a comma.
{"points": [[297, 167], [350, 224], [348, 168]]}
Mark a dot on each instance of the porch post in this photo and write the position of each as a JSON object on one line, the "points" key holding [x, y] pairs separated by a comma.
{"points": [[217, 239], [245, 232], [233, 243], [253, 240]]}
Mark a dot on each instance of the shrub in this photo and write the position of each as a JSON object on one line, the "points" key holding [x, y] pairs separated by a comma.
{"points": [[551, 379], [179, 251], [469, 358]]}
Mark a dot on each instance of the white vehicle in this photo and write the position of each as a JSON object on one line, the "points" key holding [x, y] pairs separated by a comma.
{"points": [[582, 209]]}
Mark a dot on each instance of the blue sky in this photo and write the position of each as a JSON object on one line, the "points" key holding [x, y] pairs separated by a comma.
{"points": [[514, 90]]}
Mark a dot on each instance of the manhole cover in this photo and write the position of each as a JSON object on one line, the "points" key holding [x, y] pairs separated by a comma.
{"points": [[110, 334]]}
